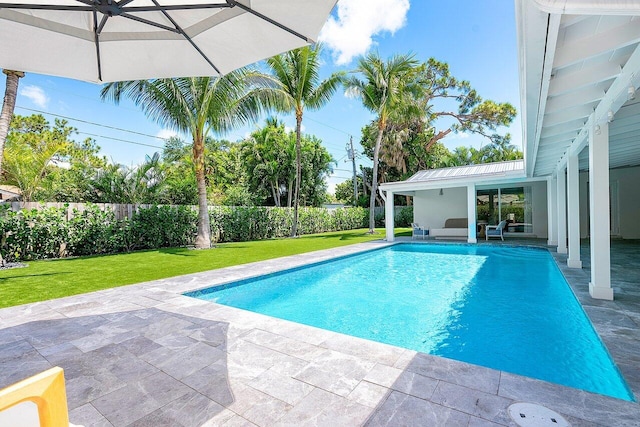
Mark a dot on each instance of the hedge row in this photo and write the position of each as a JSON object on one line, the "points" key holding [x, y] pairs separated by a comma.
{"points": [[46, 233]]}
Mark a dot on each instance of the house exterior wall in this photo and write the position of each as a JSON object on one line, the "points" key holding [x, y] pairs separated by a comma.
{"points": [[628, 208], [539, 206], [431, 210]]}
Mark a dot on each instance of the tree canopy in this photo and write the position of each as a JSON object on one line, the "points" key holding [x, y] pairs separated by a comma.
{"points": [[417, 105]]}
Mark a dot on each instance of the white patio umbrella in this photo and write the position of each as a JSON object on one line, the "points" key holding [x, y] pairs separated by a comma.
{"points": [[107, 40]]}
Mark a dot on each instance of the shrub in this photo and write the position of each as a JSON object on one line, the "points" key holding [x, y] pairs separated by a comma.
{"points": [[258, 222], [404, 218], [46, 233], [163, 226], [91, 231], [33, 234]]}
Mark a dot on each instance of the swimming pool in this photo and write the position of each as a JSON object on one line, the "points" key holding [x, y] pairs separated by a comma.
{"points": [[507, 308]]}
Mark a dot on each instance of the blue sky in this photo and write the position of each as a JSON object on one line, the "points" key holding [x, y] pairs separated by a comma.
{"points": [[476, 38]]}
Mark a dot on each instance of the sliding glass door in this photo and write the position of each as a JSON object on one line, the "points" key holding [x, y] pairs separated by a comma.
{"points": [[512, 204]]}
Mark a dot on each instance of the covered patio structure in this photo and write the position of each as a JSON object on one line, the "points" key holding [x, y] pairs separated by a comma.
{"points": [[579, 70], [478, 194]]}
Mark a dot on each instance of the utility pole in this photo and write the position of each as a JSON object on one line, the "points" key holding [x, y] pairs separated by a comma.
{"points": [[351, 154]]}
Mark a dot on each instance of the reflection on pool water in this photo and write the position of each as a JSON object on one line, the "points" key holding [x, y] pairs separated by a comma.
{"points": [[507, 308]]}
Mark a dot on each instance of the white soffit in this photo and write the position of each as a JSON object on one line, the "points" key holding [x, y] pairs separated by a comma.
{"points": [[578, 58]]}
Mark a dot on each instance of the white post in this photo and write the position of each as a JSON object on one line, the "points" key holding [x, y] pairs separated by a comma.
{"points": [[600, 286], [389, 216], [573, 211], [562, 212], [552, 212], [471, 213]]}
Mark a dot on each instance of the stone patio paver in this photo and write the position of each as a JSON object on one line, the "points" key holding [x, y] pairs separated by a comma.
{"points": [[144, 355]]}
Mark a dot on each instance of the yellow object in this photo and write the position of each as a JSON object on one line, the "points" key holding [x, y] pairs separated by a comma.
{"points": [[47, 391]]}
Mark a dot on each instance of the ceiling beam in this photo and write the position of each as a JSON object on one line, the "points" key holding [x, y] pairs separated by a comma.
{"points": [[564, 128], [614, 99], [569, 20], [553, 154], [566, 138], [585, 77], [567, 115], [584, 48], [587, 95]]}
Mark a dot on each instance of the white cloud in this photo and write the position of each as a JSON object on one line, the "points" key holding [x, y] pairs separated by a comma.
{"points": [[352, 93], [293, 129], [166, 134], [59, 163], [36, 95], [461, 135], [351, 34]]}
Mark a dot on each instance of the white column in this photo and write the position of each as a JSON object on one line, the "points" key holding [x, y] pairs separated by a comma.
{"points": [[552, 212], [573, 211], [562, 212], [600, 286], [471, 213], [389, 217]]}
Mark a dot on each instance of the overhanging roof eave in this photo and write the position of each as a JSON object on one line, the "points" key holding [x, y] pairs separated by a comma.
{"points": [[406, 186]]}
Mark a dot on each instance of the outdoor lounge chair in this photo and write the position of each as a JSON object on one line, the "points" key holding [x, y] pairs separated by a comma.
{"points": [[419, 231], [496, 230]]}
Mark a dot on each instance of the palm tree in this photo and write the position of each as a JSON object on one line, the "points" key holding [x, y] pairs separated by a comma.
{"points": [[197, 105], [8, 106], [299, 86], [27, 164], [268, 155], [382, 89]]}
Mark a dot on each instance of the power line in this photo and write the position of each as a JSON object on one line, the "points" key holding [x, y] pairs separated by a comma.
{"points": [[140, 133], [92, 123], [146, 134], [121, 140], [135, 110], [329, 126]]}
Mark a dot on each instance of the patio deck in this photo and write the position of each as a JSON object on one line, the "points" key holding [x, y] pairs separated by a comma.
{"points": [[144, 355]]}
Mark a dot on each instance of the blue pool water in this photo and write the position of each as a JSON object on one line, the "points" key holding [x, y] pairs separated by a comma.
{"points": [[506, 308]]}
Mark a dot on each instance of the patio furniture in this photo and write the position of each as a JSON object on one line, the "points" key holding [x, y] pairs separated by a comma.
{"points": [[419, 231], [496, 230], [454, 228]]}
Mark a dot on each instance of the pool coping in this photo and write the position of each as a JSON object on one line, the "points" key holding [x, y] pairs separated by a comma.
{"points": [[453, 389]]}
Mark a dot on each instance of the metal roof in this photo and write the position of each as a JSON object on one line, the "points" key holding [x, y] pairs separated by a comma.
{"points": [[515, 167]]}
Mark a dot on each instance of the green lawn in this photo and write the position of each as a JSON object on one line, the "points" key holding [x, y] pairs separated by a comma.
{"points": [[43, 280]]}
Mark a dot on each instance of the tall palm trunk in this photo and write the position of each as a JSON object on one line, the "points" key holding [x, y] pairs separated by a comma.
{"points": [[203, 239], [296, 194], [374, 180], [7, 107], [276, 194]]}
